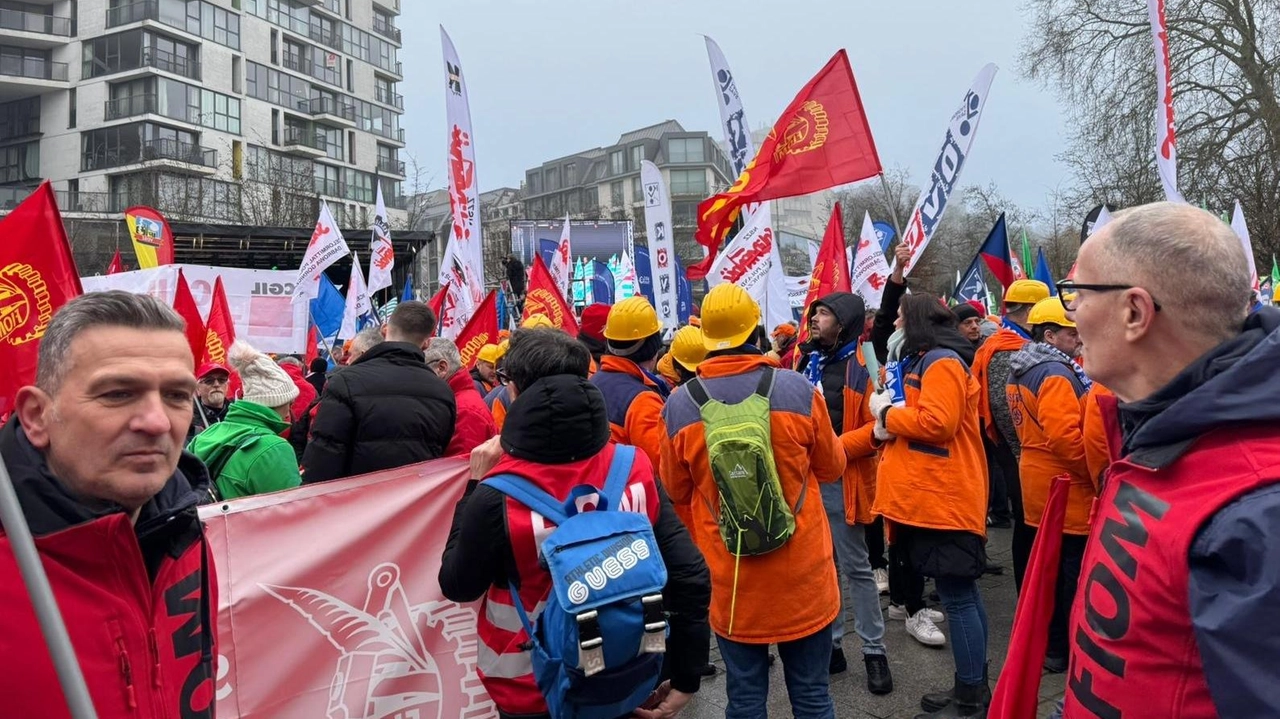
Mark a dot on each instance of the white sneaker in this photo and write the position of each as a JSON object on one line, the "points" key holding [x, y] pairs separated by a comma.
{"points": [[896, 612], [934, 615], [882, 580], [924, 630]]}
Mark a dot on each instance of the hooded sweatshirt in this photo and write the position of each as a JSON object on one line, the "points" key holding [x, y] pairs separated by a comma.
{"points": [[850, 312]]}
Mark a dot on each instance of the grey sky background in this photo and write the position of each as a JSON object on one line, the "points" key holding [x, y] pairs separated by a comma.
{"points": [[554, 77]]}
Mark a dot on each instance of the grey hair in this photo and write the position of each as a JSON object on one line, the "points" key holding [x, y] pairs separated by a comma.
{"points": [[97, 309], [291, 360], [366, 339], [1190, 261], [439, 348]]}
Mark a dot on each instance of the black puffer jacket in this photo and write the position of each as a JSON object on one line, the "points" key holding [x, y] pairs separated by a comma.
{"points": [[386, 410], [850, 312]]}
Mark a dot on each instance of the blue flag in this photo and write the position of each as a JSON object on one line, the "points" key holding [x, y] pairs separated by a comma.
{"points": [[1042, 272], [884, 233], [547, 249], [327, 308], [503, 320], [684, 294], [644, 272], [972, 285], [407, 295], [601, 283]]}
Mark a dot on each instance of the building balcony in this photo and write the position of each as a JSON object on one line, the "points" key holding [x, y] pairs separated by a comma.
{"points": [[386, 96], [328, 38], [148, 59], [327, 109], [333, 7], [391, 166], [136, 11], [32, 29], [305, 142], [394, 134], [386, 29], [130, 106], [391, 6], [183, 156], [331, 188], [310, 69], [30, 68]]}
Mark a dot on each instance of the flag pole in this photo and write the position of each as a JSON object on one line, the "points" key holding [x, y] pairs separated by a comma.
{"points": [[893, 210], [56, 638]]}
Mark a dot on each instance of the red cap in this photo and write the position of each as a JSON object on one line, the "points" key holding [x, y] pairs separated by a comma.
{"points": [[593, 319], [981, 308], [209, 368]]}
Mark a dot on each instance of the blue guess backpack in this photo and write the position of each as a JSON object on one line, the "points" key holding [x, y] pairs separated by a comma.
{"points": [[597, 646]]}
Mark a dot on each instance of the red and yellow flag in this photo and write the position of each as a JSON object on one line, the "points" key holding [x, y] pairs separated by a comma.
{"points": [[543, 297], [821, 140], [117, 265], [184, 303], [152, 239], [830, 268], [37, 276], [220, 330], [480, 330]]}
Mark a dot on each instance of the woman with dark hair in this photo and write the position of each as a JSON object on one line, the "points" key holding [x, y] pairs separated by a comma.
{"points": [[932, 484]]}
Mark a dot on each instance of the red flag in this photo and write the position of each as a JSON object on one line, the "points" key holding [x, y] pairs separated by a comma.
{"points": [[117, 265], [313, 344], [37, 276], [543, 297], [184, 303], [481, 330], [1018, 690], [821, 140], [436, 303], [830, 269], [220, 331]]}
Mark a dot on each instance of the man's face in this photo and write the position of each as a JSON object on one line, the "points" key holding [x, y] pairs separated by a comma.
{"points": [[486, 370], [1066, 340], [114, 429], [212, 389], [823, 325], [972, 329], [1099, 318]]}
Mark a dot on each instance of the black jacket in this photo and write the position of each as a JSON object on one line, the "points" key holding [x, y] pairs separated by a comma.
{"points": [[850, 312], [387, 410], [203, 417], [563, 421]]}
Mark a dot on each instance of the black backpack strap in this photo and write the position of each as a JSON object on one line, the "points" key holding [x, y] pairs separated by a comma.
{"points": [[697, 391], [765, 388]]}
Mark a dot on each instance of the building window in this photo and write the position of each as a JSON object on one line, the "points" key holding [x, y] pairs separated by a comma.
{"points": [[685, 149], [637, 156], [637, 195], [535, 182], [20, 118], [689, 182], [615, 193], [570, 174], [71, 108], [684, 214], [616, 166], [553, 179], [20, 164]]}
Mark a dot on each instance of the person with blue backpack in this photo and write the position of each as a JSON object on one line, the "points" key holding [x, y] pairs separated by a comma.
{"points": [[595, 598]]}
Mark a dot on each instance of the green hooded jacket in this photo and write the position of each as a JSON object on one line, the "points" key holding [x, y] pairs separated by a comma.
{"points": [[255, 458]]}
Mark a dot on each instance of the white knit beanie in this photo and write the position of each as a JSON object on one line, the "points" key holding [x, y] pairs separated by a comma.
{"points": [[264, 381]]}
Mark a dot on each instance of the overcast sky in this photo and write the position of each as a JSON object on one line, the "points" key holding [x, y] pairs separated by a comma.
{"points": [[548, 78]]}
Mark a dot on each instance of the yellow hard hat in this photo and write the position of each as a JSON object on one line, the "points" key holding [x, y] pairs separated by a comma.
{"points": [[537, 320], [729, 317], [488, 353], [688, 347], [1026, 292], [502, 350], [667, 370], [1049, 311], [630, 320]]}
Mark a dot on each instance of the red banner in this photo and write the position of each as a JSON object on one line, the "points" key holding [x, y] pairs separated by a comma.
{"points": [[821, 140], [184, 303], [830, 269], [117, 264], [481, 330], [329, 604], [544, 298], [220, 331], [37, 276]]}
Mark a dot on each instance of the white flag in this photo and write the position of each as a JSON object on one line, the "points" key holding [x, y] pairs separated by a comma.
{"points": [[1242, 231], [657, 222], [736, 133], [357, 301], [327, 246], [946, 169], [1166, 136], [868, 269], [561, 268], [1104, 217], [463, 264], [382, 254]]}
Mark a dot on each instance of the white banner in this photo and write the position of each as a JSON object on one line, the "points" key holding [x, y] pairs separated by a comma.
{"points": [[868, 270], [657, 222], [260, 300], [382, 254], [326, 247], [463, 264], [946, 169], [1242, 231], [737, 135], [561, 268], [745, 261], [797, 290], [1166, 136], [357, 301]]}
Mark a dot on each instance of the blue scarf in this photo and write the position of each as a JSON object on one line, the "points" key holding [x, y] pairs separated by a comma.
{"points": [[1048, 350], [818, 360], [1013, 327]]}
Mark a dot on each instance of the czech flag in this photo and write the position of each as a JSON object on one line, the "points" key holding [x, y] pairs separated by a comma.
{"points": [[995, 252]]}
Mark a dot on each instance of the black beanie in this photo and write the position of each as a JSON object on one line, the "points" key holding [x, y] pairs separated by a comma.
{"points": [[965, 311]]}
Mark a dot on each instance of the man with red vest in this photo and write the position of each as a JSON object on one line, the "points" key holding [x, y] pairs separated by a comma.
{"points": [[95, 453], [991, 367], [556, 435], [632, 392], [1181, 575]]}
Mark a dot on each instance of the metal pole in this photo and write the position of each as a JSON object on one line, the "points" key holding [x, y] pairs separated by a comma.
{"points": [[70, 677], [893, 210]]}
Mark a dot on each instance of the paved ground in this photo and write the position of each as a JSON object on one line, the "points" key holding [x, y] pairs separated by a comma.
{"points": [[916, 669]]}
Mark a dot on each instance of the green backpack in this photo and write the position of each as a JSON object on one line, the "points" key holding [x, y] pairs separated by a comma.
{"points": [[754, 516]]}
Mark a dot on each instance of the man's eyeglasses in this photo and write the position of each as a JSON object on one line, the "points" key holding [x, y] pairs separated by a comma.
{"points": [[214, 380], [1069, 292], [502, 377]]}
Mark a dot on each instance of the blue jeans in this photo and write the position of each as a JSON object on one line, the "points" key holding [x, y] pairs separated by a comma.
{"points": [[854, 564], [968, 619], [805, 663]]}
